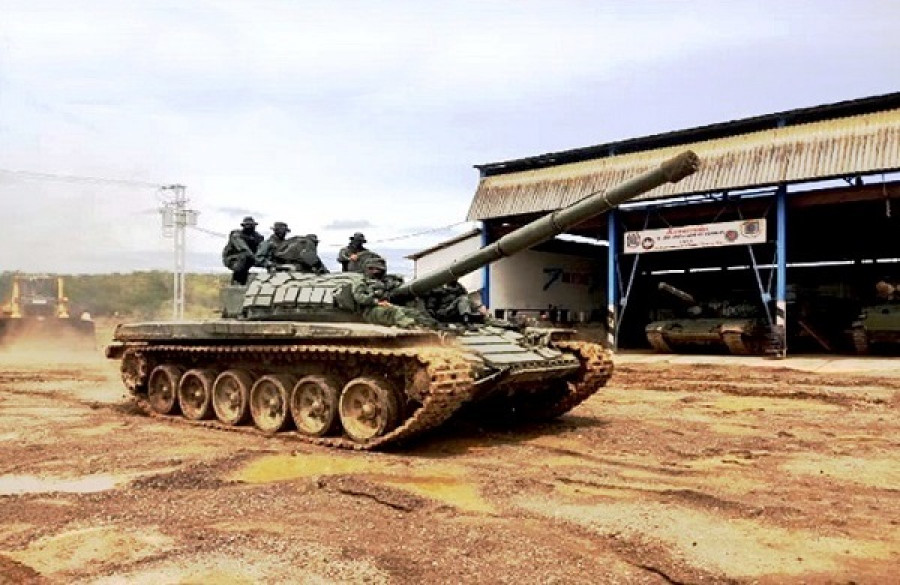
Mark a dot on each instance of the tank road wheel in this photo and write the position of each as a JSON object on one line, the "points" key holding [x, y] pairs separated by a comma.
{"points": [[231, 396], [314, 405], [195, 393], [270, 402], [162, 388], [368, 408]]}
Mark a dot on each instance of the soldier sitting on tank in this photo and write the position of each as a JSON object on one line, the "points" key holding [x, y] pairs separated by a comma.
{"points": [[239, 254], [352, 255], [266, 251], [451, 303], [371, 296], [299, 254]]}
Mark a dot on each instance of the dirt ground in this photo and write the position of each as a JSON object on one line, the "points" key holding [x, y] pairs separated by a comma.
{"points": [[733, 471]]}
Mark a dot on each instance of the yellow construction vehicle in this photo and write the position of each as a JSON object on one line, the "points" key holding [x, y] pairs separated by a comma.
{"points": [[38, 310]]}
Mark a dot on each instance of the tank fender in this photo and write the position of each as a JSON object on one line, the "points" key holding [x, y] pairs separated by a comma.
{"points": [[115, 350]]}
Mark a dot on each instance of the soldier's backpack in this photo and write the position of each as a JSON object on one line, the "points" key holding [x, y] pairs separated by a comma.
{"points": [[299, 251]]}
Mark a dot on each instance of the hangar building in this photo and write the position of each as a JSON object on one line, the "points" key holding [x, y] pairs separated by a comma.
{"points": [[790, 222]]}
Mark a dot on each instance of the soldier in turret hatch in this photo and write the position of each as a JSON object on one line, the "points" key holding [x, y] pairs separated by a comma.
{"points": [[266, 252], [452, 303], [352, 254], [372, 294], [239, 254]]}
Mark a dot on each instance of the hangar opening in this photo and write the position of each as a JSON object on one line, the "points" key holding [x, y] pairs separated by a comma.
{"points": [[785, 240]]}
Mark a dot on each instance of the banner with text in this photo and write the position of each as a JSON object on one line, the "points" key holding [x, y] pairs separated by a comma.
{"points": [[705, 235]]}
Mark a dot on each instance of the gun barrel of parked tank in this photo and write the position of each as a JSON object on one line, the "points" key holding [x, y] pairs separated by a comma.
{"points": [[556, 222], [675, 291]]}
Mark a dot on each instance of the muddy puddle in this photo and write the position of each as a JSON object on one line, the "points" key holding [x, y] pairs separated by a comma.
{"points": [[447, 484], [32, 484]]}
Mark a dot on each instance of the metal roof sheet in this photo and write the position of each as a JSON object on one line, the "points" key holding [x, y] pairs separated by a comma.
{"points": [[841, 147]]}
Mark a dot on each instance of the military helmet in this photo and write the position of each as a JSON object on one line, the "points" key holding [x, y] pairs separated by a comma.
{"points": [[280, 225], [358, 237], [249, 222], [374, 261]]}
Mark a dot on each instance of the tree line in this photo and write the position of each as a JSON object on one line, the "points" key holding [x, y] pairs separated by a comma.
{"points": [[139, 295]]}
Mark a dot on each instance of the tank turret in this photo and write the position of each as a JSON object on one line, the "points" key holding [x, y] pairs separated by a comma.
{"points": [[296, 351]]}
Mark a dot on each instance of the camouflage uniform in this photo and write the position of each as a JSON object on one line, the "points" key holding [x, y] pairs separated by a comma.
{"points": [[354, 248], [239, 254], [266, 252], [371, 296], [450, 303]]}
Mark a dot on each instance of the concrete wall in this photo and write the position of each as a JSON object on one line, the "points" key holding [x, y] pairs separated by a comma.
{"points": [[534, 280], [444, 256]]}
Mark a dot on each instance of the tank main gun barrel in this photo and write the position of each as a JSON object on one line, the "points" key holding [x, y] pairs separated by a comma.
{"points": [[554, 223], [677, 292]]}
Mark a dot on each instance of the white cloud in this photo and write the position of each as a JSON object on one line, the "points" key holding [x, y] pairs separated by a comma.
{"points": [[318, 112]]}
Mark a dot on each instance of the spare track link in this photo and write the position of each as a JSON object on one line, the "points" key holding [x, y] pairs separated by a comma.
{"points": [[449, 374], [597, 368]]}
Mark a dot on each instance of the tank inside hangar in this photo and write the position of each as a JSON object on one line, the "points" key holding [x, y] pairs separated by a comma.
{"points": [[824, 180]]}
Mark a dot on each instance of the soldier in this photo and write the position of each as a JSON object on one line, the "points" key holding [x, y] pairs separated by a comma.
{"points": [[239, 254], [350, 256], [451, 303], [266, 252], [371, 297]]}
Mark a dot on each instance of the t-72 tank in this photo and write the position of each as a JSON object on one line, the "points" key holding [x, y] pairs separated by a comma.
{"points": [[736, 328], [879, 322], [294, 355]]}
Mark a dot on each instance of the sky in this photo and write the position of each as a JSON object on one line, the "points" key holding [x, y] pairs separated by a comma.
{"points": [[342, 116]]}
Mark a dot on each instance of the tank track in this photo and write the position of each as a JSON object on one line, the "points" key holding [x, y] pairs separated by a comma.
{"points": [[449, 375], [734, 341], [658, 343], [597, 368], [860, 340]]}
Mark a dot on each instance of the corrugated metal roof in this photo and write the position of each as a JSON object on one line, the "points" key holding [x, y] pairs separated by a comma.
{"points": [[861, 144]]}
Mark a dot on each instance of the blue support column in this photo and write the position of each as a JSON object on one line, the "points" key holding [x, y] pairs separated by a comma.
{"points": [[486, 271], [611, 282], [781, 269]]}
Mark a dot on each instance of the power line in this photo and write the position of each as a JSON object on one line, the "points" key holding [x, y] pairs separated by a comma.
{"points": [[422, 233], [381, 241], [79, 178], [208, 232]]}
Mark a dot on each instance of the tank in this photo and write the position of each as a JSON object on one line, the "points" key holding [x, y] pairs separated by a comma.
{"points": [[38, 313], [878, 324], [293, 355], [732, 327]]}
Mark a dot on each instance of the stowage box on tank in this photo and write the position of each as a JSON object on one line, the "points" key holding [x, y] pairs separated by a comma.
{"points": [[295, 357]]}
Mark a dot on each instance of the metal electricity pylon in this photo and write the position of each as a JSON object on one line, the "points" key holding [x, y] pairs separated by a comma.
{"points": [[176, 217]]}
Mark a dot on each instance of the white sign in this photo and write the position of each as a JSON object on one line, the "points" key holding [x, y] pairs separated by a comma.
{"points": [[704, 235]]}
